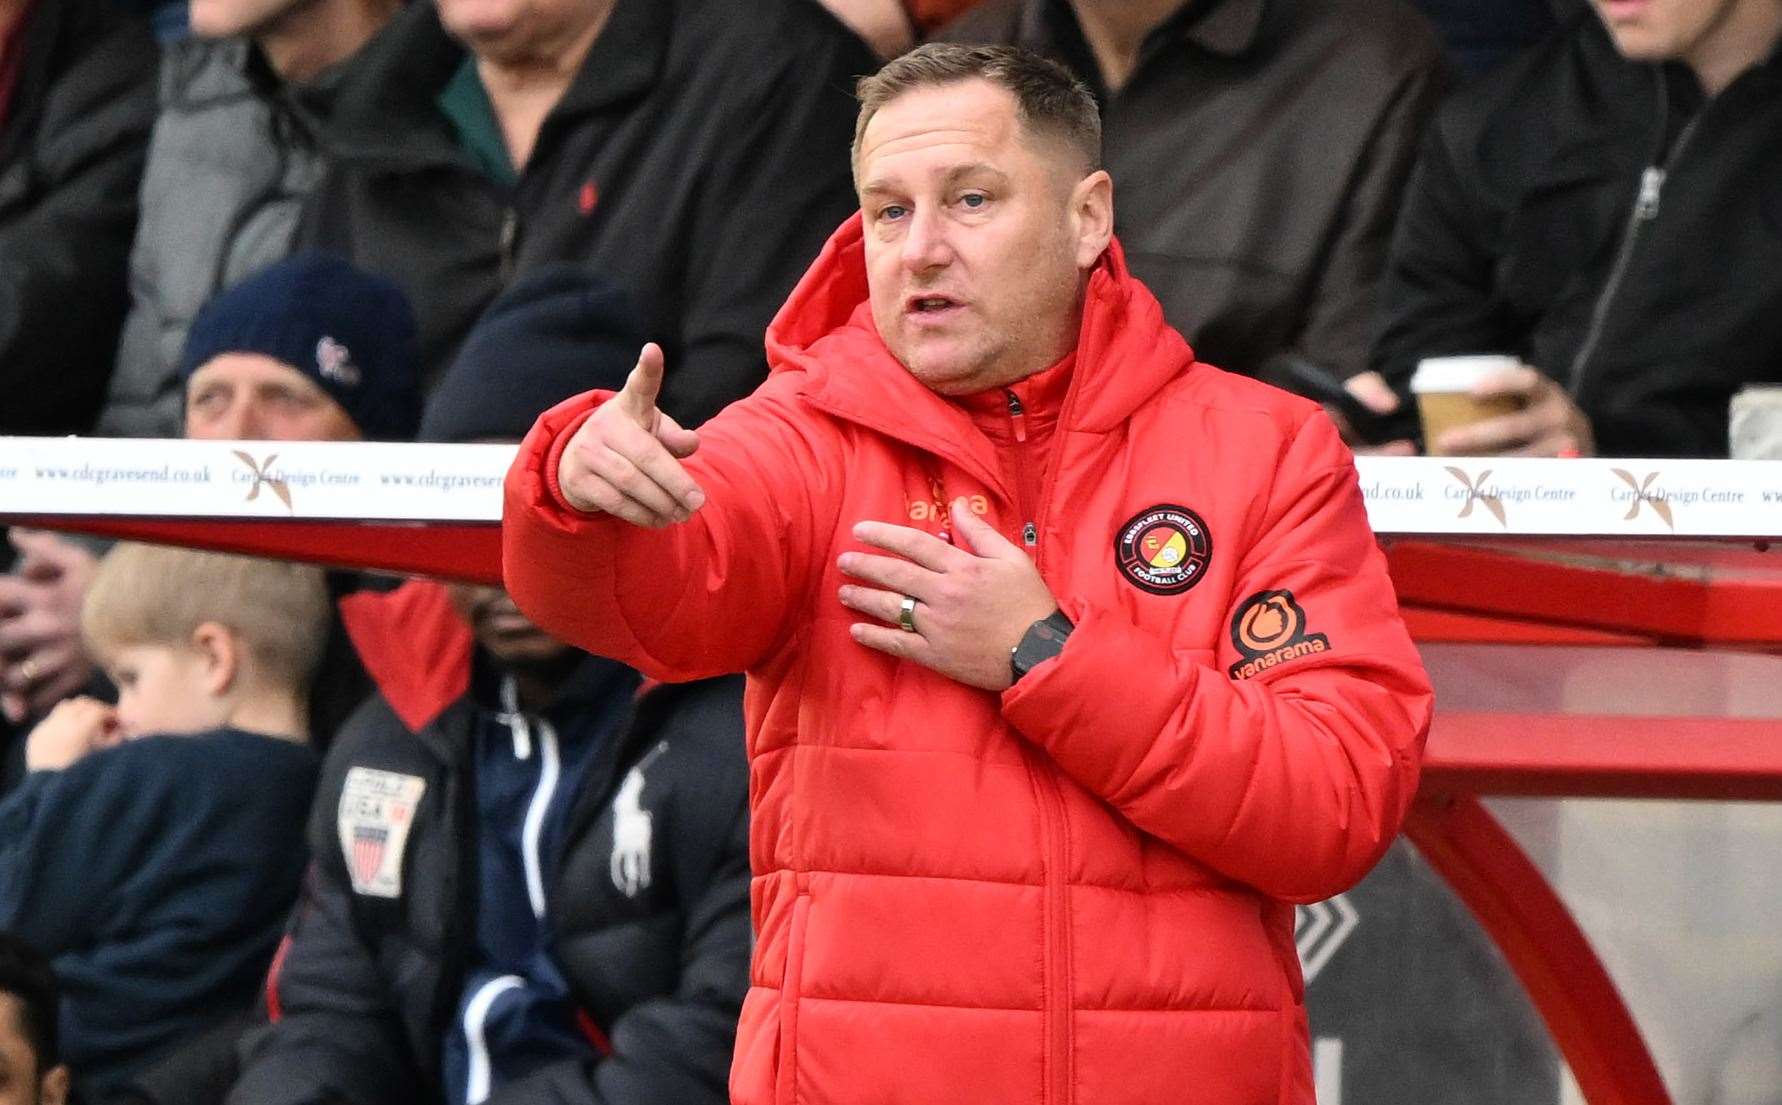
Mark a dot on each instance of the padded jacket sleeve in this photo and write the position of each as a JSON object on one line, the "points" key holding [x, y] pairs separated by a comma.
{"points": [[710, 596], [1293, 780]]}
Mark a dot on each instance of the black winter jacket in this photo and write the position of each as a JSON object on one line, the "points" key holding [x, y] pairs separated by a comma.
{"points": [[71, 155], [1592, 216], [362, 992], [699, 160]]}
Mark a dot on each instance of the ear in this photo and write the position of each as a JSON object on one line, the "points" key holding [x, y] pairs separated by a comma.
{"points": [[219, 652], [1092, 217], [53, 1090]]}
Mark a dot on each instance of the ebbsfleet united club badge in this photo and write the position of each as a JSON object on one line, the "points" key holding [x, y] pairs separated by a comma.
{"points": [[1163, 549]]}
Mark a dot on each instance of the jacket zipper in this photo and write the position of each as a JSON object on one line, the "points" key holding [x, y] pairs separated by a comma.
{"points": [[1056, 970], [1645, 209], [1059, 1000], [506, 243], [478, 1075], [549, 772], [1023, 479]]}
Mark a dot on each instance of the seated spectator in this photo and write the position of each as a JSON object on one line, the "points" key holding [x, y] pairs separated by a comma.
{"points": [[309, 350], [693, 152], [155, 849], [31, 1070], [312, 349], [235, 150], [76, 101], [892, 26], [1261, 148], [531, 879], [1542, 223]]}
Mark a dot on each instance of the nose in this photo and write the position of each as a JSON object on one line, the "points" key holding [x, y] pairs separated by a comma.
{"points": [[925, 244]]}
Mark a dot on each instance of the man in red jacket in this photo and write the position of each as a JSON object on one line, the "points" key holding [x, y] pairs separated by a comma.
{"points": [[1073, 662]]}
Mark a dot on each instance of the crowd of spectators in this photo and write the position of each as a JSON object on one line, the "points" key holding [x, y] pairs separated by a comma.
{"points": [[431, 220]]}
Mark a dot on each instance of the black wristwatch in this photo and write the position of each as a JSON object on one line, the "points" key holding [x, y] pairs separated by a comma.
{"points": [[1044, 639]]}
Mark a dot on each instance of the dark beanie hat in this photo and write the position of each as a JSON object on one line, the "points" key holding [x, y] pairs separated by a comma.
{"points": [[557, 331], [351, 332]]}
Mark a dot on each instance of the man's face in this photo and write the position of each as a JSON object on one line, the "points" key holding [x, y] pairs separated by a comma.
{"points": [[500, 628], [225, 18], [976, 238], [516, 31], [252, 397], [21, 1083], [1661, 30]]}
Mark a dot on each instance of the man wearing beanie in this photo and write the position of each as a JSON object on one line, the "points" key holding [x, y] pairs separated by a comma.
{"points": [[310, 349], [563, 915]]}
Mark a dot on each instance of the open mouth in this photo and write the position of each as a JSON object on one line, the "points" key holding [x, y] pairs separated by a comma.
{"points": [[930, 306]]}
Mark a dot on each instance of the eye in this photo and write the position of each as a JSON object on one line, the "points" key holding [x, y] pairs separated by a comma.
{"points": [[893, 211], [974, 200]]}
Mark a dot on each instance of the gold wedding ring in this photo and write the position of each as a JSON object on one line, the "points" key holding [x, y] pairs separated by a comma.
{"points": [[906, 613]]}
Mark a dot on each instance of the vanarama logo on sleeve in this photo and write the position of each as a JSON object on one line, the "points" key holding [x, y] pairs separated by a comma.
{"points": [[1269, 629]]}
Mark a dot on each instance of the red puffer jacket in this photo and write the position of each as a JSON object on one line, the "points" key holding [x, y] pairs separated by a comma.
{"points": [[1078, 891]]}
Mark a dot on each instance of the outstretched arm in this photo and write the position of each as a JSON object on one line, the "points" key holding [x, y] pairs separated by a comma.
{"points": [[681, 554]]}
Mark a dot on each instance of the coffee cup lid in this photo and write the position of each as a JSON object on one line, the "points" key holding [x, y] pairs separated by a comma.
{"points": [[1462, 373]]}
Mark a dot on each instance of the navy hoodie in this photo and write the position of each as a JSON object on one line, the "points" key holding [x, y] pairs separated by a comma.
{"points": [[158, 874]]}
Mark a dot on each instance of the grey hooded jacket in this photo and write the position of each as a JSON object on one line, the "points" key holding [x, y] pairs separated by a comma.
{"points": [[233, 156]]}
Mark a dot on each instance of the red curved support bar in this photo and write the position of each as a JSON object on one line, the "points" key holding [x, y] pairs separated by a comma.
{"points": [[1544, 946]]}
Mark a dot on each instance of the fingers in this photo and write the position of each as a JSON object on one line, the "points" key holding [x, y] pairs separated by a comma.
{"points": [[892, 573], [981, 538], [894, 642], [1544, 428], [883, 605], [680, 443], [638, 397], [1373, 391], [912, 544], [614, 467], [1523, 380], [33, 630], [42, 551], [639, 487]]}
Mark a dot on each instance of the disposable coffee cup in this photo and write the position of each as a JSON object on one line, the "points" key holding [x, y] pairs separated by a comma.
{"points": [[1444, 385], [1755, 423]]}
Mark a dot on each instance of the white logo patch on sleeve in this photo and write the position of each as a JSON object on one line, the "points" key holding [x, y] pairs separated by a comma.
{"points": [[377, 809]]}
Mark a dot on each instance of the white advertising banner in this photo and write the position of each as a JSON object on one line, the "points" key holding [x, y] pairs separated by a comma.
{"points": [[1483, 497]]}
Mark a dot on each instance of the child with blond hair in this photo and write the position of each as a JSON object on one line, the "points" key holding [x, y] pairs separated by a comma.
{"points": [[155, 847]]}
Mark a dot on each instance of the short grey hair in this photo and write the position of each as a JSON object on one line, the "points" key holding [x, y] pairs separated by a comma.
{"points": [[1049, 100]]}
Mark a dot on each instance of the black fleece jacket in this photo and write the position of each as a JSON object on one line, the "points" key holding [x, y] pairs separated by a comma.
{"points": [[1597, 218]]}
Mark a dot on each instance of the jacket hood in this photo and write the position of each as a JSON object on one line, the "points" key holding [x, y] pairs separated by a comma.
{"points": [[414, 646], [1125, 351]]}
